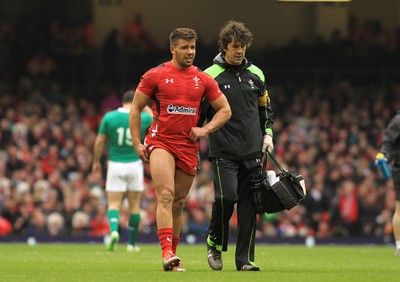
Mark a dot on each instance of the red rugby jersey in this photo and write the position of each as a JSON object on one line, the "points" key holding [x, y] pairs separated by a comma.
{"points": [[176, 95]]}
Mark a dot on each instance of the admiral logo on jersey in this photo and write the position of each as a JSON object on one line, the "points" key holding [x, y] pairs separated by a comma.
{"points": [[180, 110]]}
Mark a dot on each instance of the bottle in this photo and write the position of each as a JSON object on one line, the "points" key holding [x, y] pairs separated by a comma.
{"points": [[271, 177], [383, 166]]}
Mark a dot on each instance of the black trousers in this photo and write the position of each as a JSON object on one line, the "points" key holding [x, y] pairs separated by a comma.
{"points": [[232, 186]]}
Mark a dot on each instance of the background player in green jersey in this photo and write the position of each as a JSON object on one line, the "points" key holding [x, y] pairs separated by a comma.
{"points": [[124, 167]]}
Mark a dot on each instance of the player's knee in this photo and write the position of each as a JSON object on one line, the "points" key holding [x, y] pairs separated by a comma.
{"points": [[166, 197], [178, 205]]}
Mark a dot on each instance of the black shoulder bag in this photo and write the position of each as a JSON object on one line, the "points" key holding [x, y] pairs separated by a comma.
{"points": [[284, 194]]}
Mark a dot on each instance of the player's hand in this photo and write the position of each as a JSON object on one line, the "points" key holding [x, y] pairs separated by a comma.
{"points": [[96, 168], [267, 143], [141, 151], [196, 133]]}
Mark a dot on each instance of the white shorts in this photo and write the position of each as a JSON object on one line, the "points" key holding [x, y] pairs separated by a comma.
{"points": [[122, 177]]}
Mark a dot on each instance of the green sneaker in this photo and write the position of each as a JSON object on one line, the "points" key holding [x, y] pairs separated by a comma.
{"points": [[214, 257], [114, 238]]}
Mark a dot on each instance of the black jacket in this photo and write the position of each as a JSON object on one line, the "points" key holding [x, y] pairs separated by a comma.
{"points": [[390, 145], [252, 117]]}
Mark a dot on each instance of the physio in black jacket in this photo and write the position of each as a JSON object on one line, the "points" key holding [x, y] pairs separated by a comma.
{"points": [[236, 149]]}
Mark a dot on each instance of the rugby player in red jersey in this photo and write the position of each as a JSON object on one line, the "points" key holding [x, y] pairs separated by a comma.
{"points": [[176, 89]]}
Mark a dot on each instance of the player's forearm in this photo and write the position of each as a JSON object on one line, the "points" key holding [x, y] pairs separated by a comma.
{"points": [[98, 149], [99, 144], [219, 119], [134, 126]]}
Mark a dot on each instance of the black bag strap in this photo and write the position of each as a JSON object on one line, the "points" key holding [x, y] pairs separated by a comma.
{"points": [[283, 171], [264, 163]]}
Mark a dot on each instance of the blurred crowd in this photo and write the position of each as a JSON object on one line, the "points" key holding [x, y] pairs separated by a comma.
{"points": [[327, 128]]}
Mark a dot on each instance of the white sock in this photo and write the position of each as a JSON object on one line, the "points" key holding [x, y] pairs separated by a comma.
{"points": [[398, 245]]}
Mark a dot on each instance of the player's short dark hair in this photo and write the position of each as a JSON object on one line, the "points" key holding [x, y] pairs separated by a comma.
{"points": [[234, 30], [181, 33], [128, 96]]}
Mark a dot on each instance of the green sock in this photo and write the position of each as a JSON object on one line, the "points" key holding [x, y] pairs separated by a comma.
{"points": [[113, 219], [134, 220]]}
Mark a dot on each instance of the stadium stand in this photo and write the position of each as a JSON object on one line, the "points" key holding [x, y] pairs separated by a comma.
{"points": [[332, 100]]}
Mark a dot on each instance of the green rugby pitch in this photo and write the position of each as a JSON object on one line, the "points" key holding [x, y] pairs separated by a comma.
{"points": [[294, 263]]}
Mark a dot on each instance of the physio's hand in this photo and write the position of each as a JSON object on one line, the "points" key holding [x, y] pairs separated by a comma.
{"points": [[267, 143]]}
